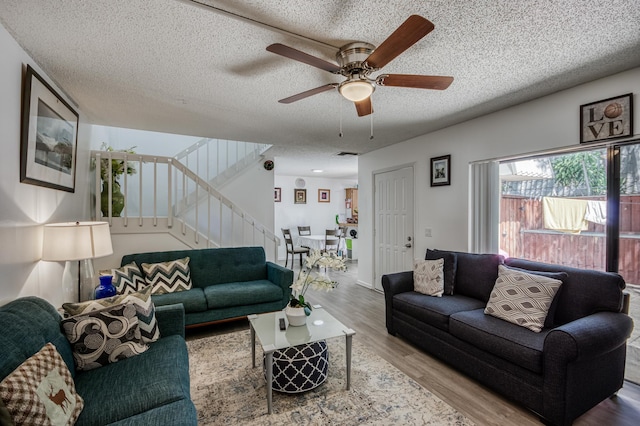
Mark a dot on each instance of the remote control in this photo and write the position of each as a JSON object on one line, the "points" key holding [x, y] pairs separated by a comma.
{"points": [[283, 326]]}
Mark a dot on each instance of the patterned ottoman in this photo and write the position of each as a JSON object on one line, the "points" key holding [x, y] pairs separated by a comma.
{"points": [[300, 368]]}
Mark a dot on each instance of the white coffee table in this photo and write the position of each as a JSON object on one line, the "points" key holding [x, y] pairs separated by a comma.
{"points": [[320, 326]]}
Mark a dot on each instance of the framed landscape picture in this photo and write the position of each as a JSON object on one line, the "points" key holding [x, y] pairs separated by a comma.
{"points": [[49, 134], [300, 196], [440, 170], [324, 195]]}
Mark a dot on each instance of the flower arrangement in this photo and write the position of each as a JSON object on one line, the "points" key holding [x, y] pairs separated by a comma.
{"points": [[307, 278], [118, 167]]}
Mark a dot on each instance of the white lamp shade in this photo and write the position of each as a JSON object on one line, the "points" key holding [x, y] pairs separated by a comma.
{"points": [[356, 90], [76, 241]]}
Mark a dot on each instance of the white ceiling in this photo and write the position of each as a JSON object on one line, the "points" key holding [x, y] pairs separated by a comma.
{"points": [[175, 66]]}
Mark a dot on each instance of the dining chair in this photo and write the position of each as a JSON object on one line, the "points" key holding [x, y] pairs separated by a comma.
{"points": [[343, 236], [303, 231], [331, 241], [291, 249]]}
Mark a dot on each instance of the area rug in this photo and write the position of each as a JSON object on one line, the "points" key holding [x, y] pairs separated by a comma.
{"points": [[227, 390]]}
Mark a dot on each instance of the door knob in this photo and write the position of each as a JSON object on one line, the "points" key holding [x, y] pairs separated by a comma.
{"points": [[408, 245]]}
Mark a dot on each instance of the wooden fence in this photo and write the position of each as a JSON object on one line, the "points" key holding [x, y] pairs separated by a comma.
{"points": [[522, 234]]}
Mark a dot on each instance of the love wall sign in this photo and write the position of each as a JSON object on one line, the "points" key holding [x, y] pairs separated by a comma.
{"points": [[607, 119]]}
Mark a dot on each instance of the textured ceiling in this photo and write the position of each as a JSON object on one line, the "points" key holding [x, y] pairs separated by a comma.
{"points": [[180, 67]]}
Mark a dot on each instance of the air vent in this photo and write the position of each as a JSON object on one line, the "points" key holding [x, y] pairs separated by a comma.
{"points": [[343, 153]]}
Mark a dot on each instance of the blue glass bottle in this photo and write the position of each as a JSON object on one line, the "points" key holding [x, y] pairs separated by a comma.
{"points": [[106, 287]]}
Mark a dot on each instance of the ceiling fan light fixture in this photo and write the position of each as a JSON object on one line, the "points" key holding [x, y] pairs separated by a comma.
{"points": [[356, 90]]}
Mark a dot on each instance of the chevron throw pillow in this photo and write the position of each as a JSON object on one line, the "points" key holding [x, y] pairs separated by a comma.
{"points": [[521, 298], [428, 277], [127, 279], [168, 277], [41, 391], [145, 310]]}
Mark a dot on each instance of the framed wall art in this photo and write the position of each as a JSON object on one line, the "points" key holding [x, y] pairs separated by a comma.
{"points": [[607, 119], [49, 135], [324, 195], [440, 170], [300, 196], [277, 195]]}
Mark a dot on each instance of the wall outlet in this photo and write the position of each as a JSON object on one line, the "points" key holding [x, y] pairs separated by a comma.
{"points": [[427, 232]]}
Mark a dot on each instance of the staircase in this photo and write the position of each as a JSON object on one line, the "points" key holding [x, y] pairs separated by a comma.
{"points": [[166, 196], [218, 161]]}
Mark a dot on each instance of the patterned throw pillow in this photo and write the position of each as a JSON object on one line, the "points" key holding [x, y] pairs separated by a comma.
{"points": [[127, 279], [145, 310], [103, 337], [428, 277], [41, 391], [522, 298], [168, 277]]}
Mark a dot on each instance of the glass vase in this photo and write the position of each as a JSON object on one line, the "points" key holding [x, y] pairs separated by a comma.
{"points": [[106, 287]]}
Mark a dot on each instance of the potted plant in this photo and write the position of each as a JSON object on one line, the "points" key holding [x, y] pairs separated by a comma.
{"points": [[118, 168], [298, 308]]}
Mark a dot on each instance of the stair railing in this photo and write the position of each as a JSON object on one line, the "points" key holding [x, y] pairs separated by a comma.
{"points": [[164, 186], [217, 160]]}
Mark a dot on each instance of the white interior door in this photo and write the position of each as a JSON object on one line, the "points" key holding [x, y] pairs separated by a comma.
{"points": [[393, 227]]}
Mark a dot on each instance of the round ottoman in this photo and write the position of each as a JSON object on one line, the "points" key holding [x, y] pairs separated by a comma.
{"points": [[300, 368]]}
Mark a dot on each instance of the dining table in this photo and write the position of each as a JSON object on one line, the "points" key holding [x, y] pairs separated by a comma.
{"points": [[316, 242]]}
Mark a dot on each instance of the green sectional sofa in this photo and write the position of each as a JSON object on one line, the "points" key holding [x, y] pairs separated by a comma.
{"points": [[151, 388], [227, 283]]}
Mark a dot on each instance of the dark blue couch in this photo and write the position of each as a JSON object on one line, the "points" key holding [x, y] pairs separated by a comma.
{"points": [[148, 389], [574, 363], [227, 283]]}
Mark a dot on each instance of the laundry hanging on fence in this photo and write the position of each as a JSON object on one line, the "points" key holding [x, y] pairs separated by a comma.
{"points": [[564, 214], [596, 212]]}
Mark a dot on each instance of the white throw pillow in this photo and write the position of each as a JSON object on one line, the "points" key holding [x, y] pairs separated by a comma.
{"points": [[521, 298], [428, 277]]}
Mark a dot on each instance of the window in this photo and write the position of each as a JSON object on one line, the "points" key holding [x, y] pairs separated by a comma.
{"points": [[553, 209], [579, 209]]}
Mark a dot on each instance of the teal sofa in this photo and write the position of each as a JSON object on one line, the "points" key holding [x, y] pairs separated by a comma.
{"points": [[151, 388], [227, 283]]}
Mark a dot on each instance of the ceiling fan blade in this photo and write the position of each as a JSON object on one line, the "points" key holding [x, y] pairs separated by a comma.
{"points": [[416, 81], [364, 107], [407, 34], [308, 93], [296, 55]]}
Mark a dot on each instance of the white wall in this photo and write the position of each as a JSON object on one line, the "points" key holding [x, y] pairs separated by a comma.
{"points": [[252, 191], [136, 243], [23, 207], [145, 142], [546, 123], [319, 216]]}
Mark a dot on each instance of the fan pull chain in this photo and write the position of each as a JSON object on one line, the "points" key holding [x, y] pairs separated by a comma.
{"points": [[371, 118], [340, 134]]}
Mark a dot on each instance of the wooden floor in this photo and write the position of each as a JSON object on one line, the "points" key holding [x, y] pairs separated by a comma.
{"points": [[363, 310]]}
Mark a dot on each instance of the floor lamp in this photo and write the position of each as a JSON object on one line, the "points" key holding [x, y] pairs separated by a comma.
{"points": [[77, 244]]}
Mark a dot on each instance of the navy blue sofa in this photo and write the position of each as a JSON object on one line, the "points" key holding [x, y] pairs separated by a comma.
{"points": [[574, 363]]}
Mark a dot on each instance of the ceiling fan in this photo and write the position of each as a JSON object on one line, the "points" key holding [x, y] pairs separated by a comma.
{"points": [[358, 60]]}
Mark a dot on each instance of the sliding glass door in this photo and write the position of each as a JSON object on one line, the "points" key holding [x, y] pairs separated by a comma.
{"points": [[553, 209], [627, 165], [579, 209]]}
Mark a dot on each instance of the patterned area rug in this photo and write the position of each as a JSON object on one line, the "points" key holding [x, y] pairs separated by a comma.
{"points": [[227, 390]]}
